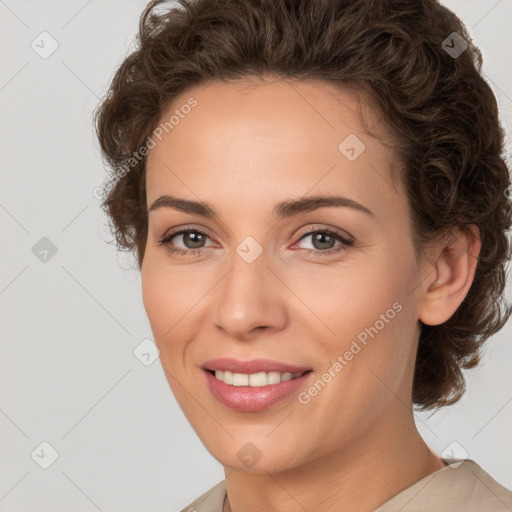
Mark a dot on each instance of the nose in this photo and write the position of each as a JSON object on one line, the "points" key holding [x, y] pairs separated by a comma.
{"points": [[249, 299]]}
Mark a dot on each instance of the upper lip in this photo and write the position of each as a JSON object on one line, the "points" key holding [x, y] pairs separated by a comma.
{"points": [[252, 366]]}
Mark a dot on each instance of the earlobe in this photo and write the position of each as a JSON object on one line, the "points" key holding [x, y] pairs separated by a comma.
{"points": [[449, 281]]}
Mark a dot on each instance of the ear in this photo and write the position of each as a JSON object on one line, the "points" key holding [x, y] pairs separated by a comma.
{"points": [[448, 283]]}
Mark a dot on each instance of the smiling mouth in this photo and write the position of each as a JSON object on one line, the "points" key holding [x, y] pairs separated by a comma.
{"points": [[258, 379]]}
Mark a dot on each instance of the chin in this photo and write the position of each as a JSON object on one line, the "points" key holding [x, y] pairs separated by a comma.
{"points": [[257, 455]]}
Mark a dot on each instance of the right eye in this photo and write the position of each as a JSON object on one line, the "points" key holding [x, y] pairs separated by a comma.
{"points": [[197, 237]]}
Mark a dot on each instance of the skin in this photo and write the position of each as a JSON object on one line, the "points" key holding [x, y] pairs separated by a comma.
{"points": [[242, 149]]}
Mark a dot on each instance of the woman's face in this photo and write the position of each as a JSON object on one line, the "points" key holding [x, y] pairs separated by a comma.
{"points": [[267, 282]]}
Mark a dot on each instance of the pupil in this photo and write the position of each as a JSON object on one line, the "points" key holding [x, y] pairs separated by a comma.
{"points": [[197, 237], [319, 236]]}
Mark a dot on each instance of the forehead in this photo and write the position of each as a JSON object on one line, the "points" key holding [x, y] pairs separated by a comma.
{"points": [[268, 139], [263, 106]]}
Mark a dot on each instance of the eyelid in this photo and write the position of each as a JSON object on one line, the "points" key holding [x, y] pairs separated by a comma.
{"points": [[307, 232], [315, 254], [322, 227], [165, 239], [180, 229]]}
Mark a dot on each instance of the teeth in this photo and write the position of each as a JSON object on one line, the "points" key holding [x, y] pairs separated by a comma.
{"points": [[254, 379]]}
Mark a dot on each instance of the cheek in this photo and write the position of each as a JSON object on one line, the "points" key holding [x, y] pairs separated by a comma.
{"points": [[162, 299], [155, 298], [348, 298], [361, 310], [171, 296]]}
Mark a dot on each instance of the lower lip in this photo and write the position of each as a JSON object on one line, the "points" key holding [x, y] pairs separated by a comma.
{"points": [[253, 399]]}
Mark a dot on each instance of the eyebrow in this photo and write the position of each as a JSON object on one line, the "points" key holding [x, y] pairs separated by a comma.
{"points": [[288, 208]]}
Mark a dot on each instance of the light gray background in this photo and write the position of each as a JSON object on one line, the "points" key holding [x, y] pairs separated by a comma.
{"points": [[69, 326]]}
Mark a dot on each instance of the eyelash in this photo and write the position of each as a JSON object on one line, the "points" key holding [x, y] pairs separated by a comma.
{"points": [[346, 242]]}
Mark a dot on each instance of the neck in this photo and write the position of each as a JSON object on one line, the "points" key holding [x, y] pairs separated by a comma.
{"points": [[361, 475]]}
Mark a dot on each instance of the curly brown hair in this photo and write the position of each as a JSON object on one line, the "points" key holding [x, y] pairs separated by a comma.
{"points": [[404, 55]]}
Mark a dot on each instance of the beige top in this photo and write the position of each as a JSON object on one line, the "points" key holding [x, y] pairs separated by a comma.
{"points": [[462, 486]]}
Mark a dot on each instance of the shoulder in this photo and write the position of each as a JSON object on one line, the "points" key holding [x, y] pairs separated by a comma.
{"points": [[211, 501], [460, 486]]}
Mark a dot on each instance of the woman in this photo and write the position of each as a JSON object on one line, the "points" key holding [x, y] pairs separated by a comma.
{"points": [[246, 136]]}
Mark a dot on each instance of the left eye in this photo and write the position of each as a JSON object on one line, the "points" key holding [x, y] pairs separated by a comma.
{"points": [[324, 237]]}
